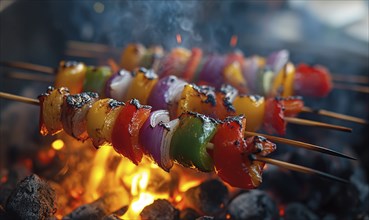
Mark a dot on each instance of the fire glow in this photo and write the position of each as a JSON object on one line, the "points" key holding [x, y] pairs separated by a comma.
{"points": [[179, 39]]}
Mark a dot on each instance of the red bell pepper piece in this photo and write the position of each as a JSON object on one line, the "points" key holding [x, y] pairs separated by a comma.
{"points": [[231, 154], [292, 105], [274, 117], [312, 81], [126, 130]]}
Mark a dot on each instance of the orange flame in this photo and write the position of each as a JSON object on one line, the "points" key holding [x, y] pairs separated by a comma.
{"points": [[179, 38], [233, 41]]}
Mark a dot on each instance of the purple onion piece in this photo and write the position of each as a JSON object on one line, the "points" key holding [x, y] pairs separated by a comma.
{"points": [[277, 60], [212, 72], [117, 85], [250, 70], [166, 161], [151, 137]]}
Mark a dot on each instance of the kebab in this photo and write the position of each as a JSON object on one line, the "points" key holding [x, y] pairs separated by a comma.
{"points": [[192, 140], [77, 79], [178, 96]]}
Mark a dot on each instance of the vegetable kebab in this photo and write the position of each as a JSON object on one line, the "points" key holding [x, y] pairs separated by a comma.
{"points": [[178, 96], [271, 76], [192, 140]]}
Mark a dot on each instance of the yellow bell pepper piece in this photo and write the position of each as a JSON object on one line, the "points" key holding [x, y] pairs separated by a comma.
{"points": [[253, 108], [232, 74], [71, 75], [288, 82], [100, 120], [141, 86], [131, 56]]}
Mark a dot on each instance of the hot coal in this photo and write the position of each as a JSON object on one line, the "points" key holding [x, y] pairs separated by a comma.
{"points": [[299, 211], [189, 214], [160, 209], [208, 198], [104, 206], [254, 204], [33, 198], [111, 217]]}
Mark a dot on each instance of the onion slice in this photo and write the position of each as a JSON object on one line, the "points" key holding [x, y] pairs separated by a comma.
{"points": [[155, 138], [117, 85]]}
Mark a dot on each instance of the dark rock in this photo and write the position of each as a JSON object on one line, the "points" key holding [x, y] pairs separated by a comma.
{"points": [[298, 211], [189, 214], [251, 205], [208, 198], [111, 217], [33, 198], [160, 209], [205, 218], [104, 206]]}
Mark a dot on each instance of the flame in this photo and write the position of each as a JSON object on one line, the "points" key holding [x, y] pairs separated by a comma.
{"points": [[179, 38], [233, 41], [57, 144]]}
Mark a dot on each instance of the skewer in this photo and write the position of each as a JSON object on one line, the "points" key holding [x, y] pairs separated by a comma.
{"points": [[29, 76], [306, 122], [272, 138], [335, 115], [283, 164], [288, 119], [355, 88], [298, 168], [350, 78], [300, 144], [19, 98], [29, 66]]}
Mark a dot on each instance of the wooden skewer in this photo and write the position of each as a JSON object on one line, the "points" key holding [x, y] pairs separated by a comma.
{"points": [[84, 54], [29, 66], [19, 98], [298, 168], [306, 122], [94, 47], [283, 164], [30, 76], [350, 78], [335, 115], [272, 138], [355, 88], [300, 144]]}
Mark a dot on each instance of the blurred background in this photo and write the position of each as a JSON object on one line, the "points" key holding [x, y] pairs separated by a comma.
{"points": [[332, 33]]}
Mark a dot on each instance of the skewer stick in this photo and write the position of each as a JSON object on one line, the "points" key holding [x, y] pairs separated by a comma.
{"points": [[355, 88], [350, 78], [298, 168], [335, 115], [306, 122], [19, 98], [300, 144], [29, 76], [29, 66]]}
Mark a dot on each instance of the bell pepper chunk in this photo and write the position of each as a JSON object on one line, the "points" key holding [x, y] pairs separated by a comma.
{"points": [[141, 85], [253, 107], [71, 74], [189, 141], [125, 133], [274, 117], [96, 78]]}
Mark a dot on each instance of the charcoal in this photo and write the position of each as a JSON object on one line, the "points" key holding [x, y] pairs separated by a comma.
{"points": [[111, 217], [160, 209], [32, 198], [298, 211], [252, 205], [208, 198], [205, 218], [189, 214], [16, 174], [99, 208]]}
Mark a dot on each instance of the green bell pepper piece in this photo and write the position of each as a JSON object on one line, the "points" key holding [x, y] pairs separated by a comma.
{"points": [[189, 141], [96, 78]]}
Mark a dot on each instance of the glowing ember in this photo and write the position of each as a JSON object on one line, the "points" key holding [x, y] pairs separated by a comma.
{"points": [[233, 41], [57, 144], [179, 38]]}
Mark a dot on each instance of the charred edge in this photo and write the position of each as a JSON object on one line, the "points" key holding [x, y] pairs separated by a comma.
{"points": [[137, 104], [114, 103], [238, 119], [164, 125], [71, 63], [79, 100], [149, 73], [204, 118], [208, 91]]}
